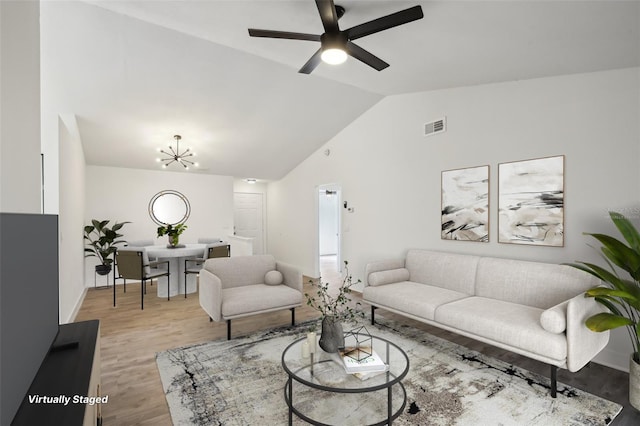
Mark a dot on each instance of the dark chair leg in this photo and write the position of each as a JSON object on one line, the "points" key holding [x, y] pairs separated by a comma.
{"points": [[229, 329], [210, 319], [185, 284], [554, 381], [143, 286], [293, 316], [373, 314], [114, 290]]}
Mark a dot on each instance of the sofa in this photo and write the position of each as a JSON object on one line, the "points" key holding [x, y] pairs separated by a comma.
{"points": [[236, 287], [534, 309]]}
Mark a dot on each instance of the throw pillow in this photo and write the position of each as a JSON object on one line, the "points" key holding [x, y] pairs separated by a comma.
{"points": [[554, 319], [273, 278], [388, 277]]}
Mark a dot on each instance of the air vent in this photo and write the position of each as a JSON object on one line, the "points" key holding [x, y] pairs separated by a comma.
{"points": [[437, 126]]}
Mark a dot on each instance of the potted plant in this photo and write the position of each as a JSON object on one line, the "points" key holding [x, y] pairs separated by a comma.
{"points": [[334, 308], [173, 232], [621, 294], [102, 242]]}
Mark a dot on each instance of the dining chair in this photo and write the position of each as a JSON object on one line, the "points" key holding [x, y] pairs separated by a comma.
{"points": [[133, 264], [211, 250]]}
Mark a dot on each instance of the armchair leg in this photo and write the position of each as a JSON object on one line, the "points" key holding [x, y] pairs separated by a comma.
{"points": [[293, 316], [143, 286], [373, 314], [228, 329], [554, 381]]}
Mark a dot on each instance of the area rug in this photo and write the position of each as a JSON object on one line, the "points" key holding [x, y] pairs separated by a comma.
{"points": [[241, 382]]}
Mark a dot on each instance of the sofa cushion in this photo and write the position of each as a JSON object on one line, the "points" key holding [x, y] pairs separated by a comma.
{"points": [[455, 272], [416, 299], [554, 319], [250, 299], [388, 277], [273, 278], [241, 270], [541, 285], [504, 322]]}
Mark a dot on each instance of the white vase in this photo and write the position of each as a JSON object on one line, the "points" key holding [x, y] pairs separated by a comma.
{"points": [[634, 383]]}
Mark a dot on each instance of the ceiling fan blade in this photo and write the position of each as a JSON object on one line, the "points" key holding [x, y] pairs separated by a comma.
{"points": [[312, 63], [283, 34], [384, 23], [368, 58], [328, 15]]}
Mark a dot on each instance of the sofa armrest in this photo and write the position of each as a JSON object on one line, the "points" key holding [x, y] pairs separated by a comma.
{"points": [[292, 276], [582, 343], [210, 294], [382, 265]]}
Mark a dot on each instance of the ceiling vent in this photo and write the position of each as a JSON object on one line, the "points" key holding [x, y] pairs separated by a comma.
{"points": [[435, 127]]}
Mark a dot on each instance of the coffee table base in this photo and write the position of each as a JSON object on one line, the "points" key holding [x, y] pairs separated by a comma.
{"points": [[391, 416]]}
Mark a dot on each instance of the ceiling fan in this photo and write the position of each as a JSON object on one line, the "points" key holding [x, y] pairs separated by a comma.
{"points": [[336, 44]]}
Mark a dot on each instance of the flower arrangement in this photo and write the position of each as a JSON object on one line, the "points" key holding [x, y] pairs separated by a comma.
{"points": [[173, 232], [336, 306]]}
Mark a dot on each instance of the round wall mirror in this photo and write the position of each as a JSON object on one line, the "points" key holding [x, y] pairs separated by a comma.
{"points": [[169, 208]]}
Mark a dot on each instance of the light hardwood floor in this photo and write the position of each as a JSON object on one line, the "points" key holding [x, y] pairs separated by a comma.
{"points": [[131, 337]]}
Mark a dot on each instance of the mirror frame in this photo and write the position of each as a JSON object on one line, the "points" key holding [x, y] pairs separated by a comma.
{"points": [[174, 193]]}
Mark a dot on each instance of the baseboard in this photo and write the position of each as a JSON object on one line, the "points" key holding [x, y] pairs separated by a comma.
{"points": [[76, 307], [613, 359]]}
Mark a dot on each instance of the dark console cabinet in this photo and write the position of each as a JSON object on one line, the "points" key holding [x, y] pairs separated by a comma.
{"points": [[70, 370]]}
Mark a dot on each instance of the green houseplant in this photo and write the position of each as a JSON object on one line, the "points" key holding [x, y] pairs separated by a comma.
{"points": [[621, 292], [173, 232], [334, 309], [102, 242]]}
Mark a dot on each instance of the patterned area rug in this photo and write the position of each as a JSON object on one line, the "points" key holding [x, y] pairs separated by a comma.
{"points": [[240, 382]]}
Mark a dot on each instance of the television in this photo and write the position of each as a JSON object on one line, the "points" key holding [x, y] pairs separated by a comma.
{"points": [[29, 313]]}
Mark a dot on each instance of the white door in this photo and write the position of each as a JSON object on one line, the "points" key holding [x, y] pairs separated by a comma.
{"points": [[248, 218]]}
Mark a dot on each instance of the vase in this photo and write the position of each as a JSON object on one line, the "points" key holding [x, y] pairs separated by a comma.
{"points": [[174, 240], [332, 337], [634, 383]]}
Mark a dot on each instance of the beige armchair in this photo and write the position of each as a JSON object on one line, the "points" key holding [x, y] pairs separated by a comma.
{"points": [[236, 287]]}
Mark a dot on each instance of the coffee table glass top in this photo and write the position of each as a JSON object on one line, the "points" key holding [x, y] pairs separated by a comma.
{"points": [[326, 371]]}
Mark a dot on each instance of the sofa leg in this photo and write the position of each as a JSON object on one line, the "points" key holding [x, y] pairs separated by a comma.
{"points": [[228, 329], [293, 316], [554, 381], [210, 319], [373, 314]]}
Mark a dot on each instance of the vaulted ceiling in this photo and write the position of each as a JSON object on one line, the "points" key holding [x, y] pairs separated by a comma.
{"points": [[135, 73]]}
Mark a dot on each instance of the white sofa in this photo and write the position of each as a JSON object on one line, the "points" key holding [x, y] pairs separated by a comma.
{"points": [[533, 309], [236, 287]]}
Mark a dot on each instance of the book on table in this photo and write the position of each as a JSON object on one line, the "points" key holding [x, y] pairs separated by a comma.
{"points": [[362, 360]]}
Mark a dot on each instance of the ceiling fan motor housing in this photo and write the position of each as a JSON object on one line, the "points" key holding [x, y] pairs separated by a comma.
{"points": [[333, 40]]}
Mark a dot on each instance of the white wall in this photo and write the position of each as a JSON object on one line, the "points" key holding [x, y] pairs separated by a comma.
{"points": [[71, 218], [20, 107], [120, 194], [390, 173]]}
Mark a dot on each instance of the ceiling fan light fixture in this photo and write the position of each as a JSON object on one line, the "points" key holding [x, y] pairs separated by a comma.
{"points": [[334, 56]]}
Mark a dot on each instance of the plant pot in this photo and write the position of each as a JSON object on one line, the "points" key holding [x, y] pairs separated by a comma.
{"points": [[332, 337], [634, 384], [174, 240], [103, 269]]}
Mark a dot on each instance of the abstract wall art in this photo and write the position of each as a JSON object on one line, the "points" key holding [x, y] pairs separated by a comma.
{"points": [[465, 204], [531, 202]]}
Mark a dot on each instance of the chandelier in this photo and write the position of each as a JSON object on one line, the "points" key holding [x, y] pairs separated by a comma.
{"points": [[176, 156]]}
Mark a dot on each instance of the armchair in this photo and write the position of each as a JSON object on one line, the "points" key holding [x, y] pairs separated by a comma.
{"points": [[236, 287]]}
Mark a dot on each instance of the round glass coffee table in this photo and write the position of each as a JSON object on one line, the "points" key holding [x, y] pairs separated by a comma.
{"points": [[320, 392]]}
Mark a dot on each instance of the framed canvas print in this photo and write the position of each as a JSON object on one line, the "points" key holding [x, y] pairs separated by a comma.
{"points": [[465, 204], [531, 202]]}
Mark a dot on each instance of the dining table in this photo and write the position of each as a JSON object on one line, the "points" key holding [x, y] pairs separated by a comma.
{"points": [[176, 257]]}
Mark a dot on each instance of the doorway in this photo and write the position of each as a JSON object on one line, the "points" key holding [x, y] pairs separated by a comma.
{"points": [[329, 231], [248, 218]]}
